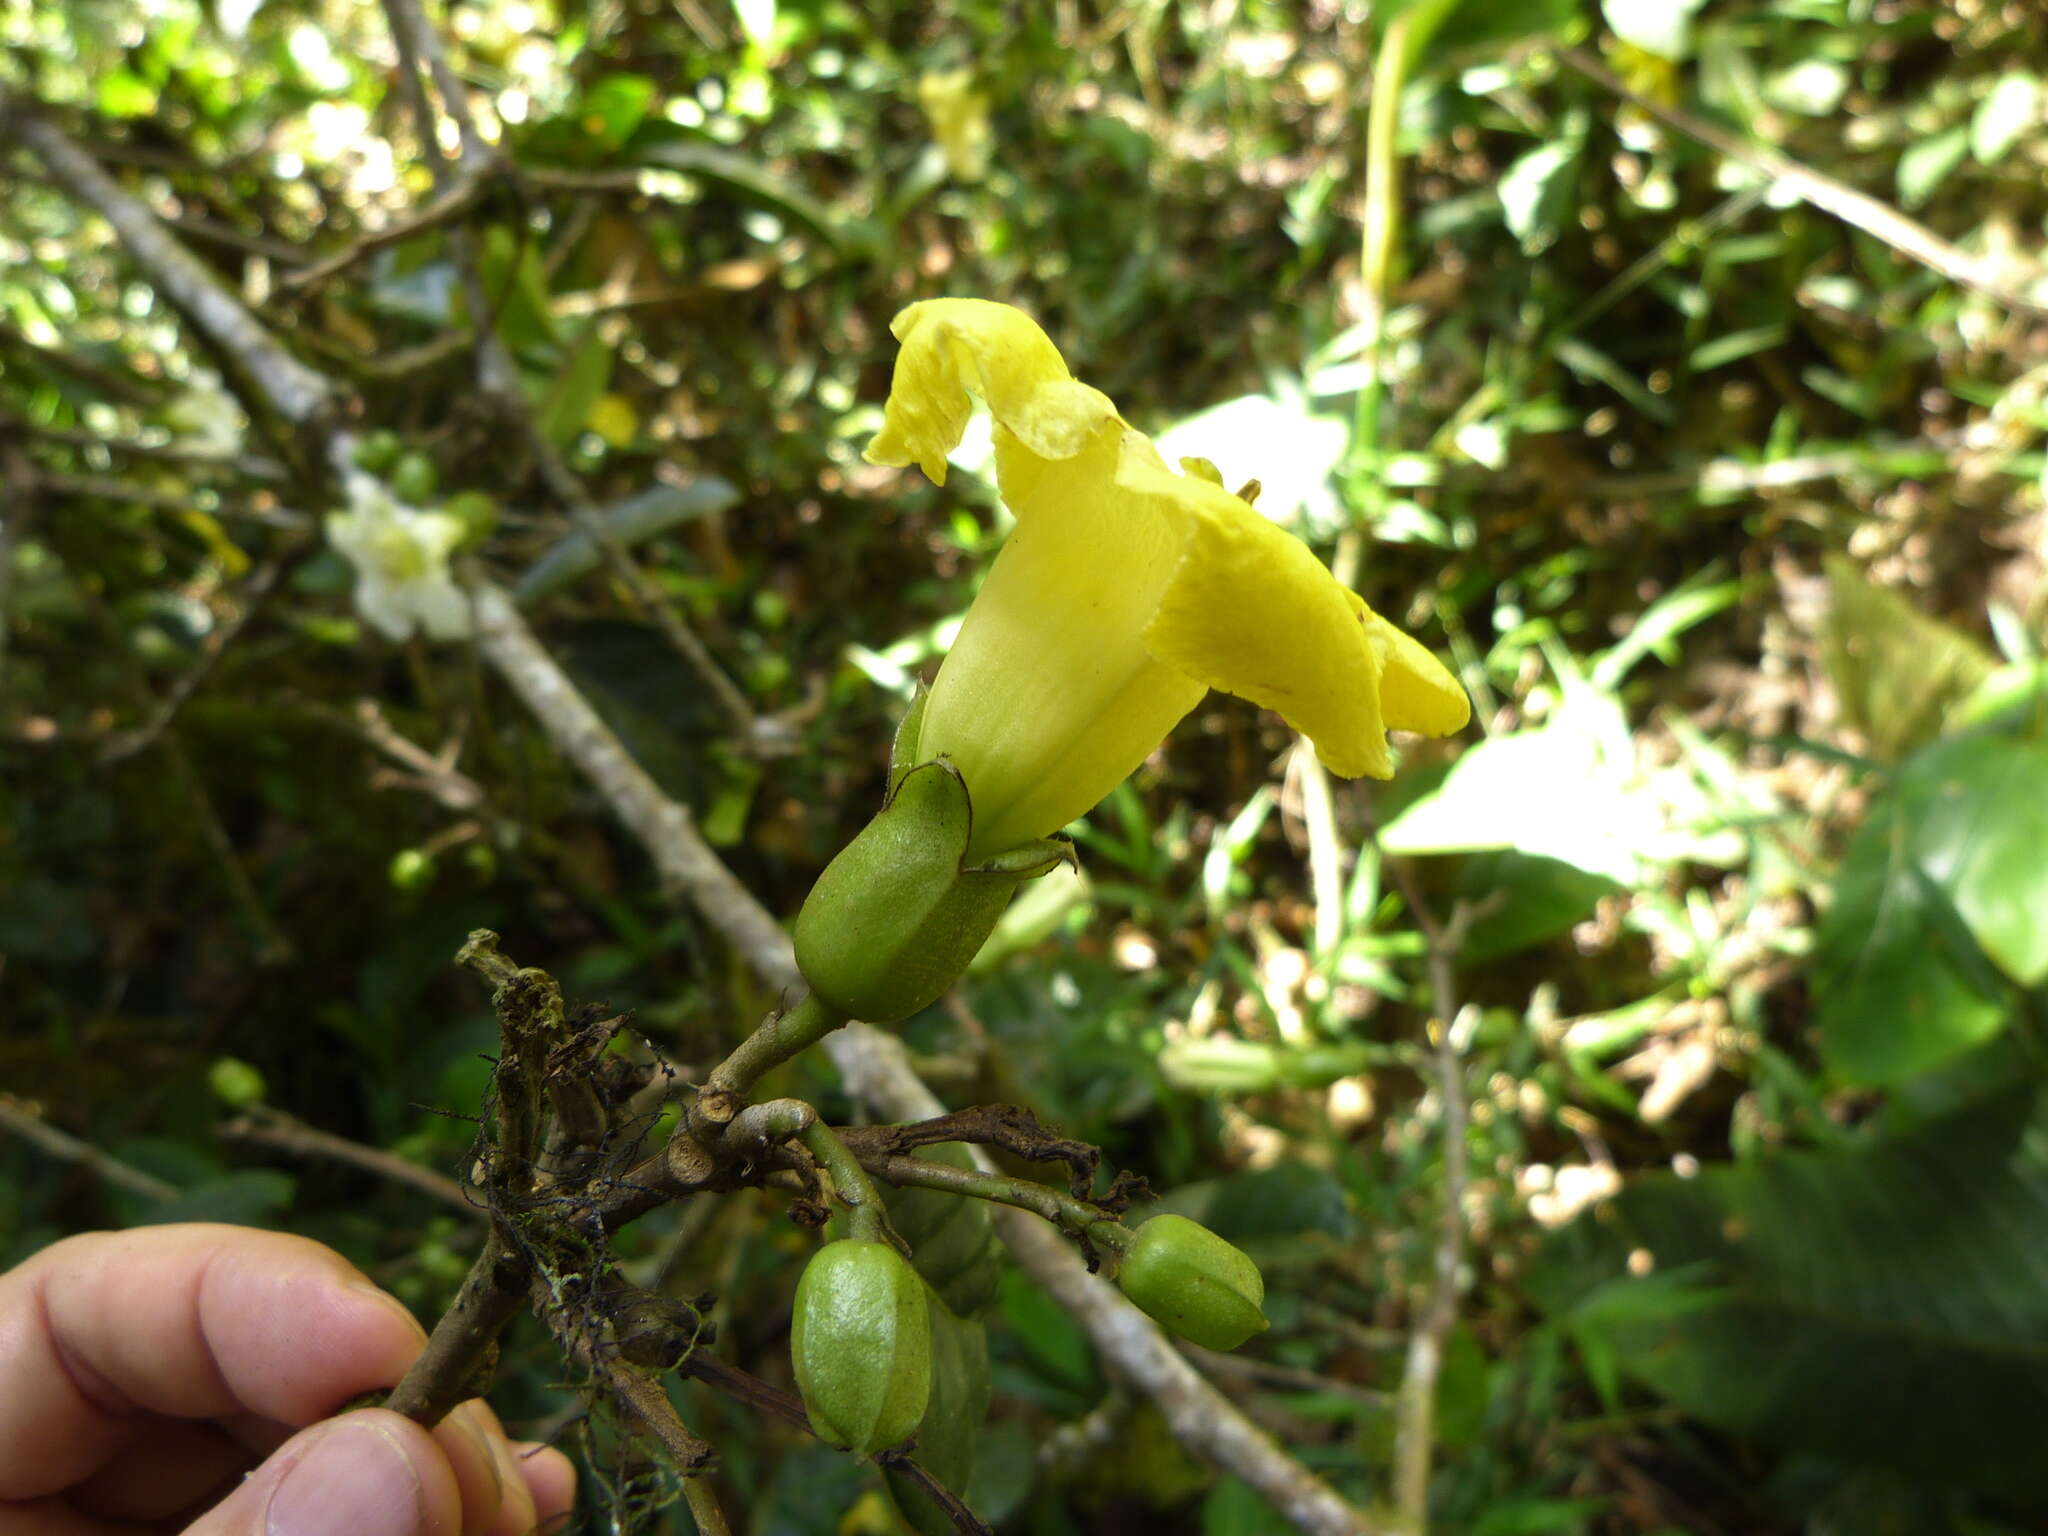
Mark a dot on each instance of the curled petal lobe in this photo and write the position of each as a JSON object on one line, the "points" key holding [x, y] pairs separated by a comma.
{"points": [[954, 349], [1417, 693]]}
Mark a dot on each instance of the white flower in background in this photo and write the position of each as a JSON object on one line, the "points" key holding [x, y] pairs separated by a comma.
{"points": [[206, 418], [401, 558]]}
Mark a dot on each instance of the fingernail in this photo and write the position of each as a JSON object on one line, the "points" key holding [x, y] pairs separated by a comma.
{"points": [[356, 1479], [389, 1302]]}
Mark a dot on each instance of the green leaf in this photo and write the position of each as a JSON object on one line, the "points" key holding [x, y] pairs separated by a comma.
{"points": [[1526, 900], [2013, 107], [1880, 1306], [1926, 165], [745, 179], [1979, 815], [585, 376], [630, 521], [1897, 672], [613, 107], [1288, 1198], [1894, 995], [1535, 192]]}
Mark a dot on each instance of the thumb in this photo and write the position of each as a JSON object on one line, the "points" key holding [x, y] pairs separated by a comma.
{"points": [[370, 1473]]}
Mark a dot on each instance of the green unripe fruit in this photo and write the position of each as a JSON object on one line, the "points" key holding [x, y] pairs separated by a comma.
{"points": [[477, 511], [379, 450], [951, 1427], [412, 869], [895, 918], [235, 1083], [1187, 1279], [413, 480], [861, 1343]]}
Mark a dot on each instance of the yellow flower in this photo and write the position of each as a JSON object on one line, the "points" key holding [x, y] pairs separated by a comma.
{"points": [[1125, 593]]}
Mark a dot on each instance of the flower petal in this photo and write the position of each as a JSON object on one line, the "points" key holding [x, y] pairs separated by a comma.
{"points": [[1417, 692], [1253, 612], [1050, 697], [954, 348]]}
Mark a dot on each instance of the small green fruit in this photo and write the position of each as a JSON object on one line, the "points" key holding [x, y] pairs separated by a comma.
{"points": [[412, 869], [1186, 1278], [477, 511], [235, 1083], [861, 1342], [377, 451], [413, 480]]}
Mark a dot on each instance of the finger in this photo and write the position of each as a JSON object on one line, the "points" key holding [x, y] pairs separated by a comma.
{"points": [[54, 1517], [516, 1515], [195, 1321], [176, 1466], [551, 1479], [370, 1473], [465, 1440]]}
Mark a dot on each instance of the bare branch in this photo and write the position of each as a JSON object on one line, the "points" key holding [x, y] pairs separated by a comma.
{"points": [[295, 391], [666, 829], [1857, 209], [267, 1127], [452, 202], [26, 1121]]}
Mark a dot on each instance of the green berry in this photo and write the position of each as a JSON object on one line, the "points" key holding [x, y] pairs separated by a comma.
{"points": [[1189, 1280], [861, 1344]]}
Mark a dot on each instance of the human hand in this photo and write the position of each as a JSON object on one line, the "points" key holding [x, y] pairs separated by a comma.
{"points": [[144, 1373]]}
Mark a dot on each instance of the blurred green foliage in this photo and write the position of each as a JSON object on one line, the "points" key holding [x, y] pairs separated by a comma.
{"points": [[1729, 513]]}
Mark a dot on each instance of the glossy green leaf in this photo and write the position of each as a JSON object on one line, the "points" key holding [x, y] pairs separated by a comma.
{"points": [[1880, 1306], [1978, 807], [1894, 992]]}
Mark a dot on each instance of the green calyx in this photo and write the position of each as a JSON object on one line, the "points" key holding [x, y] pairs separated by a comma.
{"points": [[898, 915], [860, 1340], [1187, 1279], [951, 1427]]}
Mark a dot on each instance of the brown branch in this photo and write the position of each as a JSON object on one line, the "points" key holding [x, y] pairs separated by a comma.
{"points": [[25, 1120], [274, 1128], [1879, 220], [464, 1342]]}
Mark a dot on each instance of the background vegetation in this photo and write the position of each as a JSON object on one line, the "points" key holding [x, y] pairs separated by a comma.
{"points": [[1683, 366]]}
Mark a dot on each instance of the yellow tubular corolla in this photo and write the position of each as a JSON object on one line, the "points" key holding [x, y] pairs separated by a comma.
{"points": [[1124, 594]]}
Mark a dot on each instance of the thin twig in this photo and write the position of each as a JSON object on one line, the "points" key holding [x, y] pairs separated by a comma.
{"points": [[25, 1120], [1879, 220], [249, 467], [267, 1127], [454, 201], [1415, 1409], [126, 744]]}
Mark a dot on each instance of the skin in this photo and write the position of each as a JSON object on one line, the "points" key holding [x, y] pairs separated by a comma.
{"points": [[164, 1380]]}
